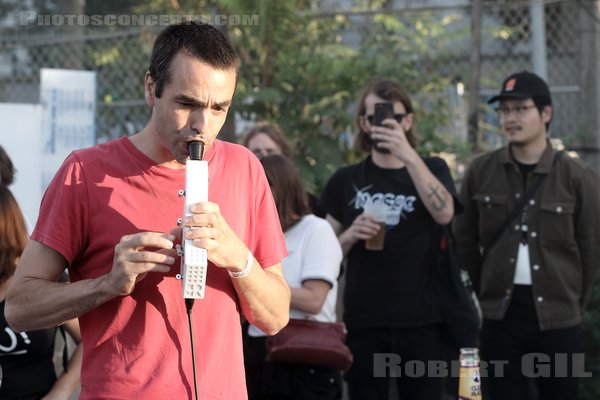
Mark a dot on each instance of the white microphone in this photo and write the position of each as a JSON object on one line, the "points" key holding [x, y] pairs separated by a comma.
{"points": [[194, 262]]}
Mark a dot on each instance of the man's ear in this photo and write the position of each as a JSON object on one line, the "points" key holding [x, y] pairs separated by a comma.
{"points": [[407, 122], [547, 114], [362, 122], [149, 89]]}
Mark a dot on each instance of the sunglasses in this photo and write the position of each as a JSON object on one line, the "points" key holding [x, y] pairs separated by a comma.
{"points": [[398, 117]]}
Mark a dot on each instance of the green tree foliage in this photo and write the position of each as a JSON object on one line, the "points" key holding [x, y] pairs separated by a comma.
{"points": [[303, 70]]}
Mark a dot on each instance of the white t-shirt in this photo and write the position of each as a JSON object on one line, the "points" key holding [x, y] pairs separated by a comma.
{"points": [[523, 270], [314, 252]]}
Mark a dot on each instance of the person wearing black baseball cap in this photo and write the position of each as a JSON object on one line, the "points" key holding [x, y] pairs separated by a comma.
{"points": [[528, 236], [524, 85]]}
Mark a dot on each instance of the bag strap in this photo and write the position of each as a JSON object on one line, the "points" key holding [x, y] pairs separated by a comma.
{"points": [[518, 208], [64, 277], [65, 355], [462, 282]]}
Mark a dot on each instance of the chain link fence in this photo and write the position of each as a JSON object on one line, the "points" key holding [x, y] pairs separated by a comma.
{"points": [[508, 46], [120, 54], [121, 108]]}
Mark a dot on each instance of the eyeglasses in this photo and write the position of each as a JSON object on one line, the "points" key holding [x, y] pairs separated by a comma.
{"points": [[519, 111], [397, 117]]}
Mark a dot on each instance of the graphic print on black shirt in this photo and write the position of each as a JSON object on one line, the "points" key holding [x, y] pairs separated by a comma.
{"points": [[397, 205], [393, 287], [26, 361]]}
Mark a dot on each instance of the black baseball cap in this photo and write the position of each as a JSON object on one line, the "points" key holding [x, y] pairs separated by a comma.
{"points": [[523, 85]]}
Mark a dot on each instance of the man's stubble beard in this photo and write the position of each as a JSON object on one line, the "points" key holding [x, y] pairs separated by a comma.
{"points": [[375, 147]]}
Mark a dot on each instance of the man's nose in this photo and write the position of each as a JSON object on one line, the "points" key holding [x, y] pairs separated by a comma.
{"points": [[199, 119]]}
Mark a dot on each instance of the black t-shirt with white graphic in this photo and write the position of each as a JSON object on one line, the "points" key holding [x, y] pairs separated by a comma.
{"points": [[393, 287], [26, 361]]}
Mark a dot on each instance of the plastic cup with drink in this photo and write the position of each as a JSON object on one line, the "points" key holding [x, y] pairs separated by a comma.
{"points": [[379, 212]]}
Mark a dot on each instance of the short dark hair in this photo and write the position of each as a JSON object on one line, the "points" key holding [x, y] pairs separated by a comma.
{"points": [[387, 89], [7, 170], [540, 104], [199, 40], [273, 132], [288, 189]]}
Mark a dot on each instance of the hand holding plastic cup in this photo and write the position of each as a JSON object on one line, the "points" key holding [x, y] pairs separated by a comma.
{"points": [[379, 213]]}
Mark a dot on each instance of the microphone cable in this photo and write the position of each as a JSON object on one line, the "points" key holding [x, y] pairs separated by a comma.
{"points": [[189, 303]]}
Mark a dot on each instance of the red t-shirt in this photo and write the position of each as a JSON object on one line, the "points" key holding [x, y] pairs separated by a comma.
{"points": [[138, 346]]}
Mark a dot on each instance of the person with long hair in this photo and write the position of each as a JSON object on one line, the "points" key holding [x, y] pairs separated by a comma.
{"points": [[26, 358], [390, 300], [311, 270]]}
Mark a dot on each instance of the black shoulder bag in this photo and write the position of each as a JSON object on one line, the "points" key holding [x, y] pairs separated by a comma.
{"points": [[459, 306]]}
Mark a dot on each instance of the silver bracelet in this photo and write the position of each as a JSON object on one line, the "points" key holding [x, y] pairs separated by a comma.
{"points": [[245, 271]]}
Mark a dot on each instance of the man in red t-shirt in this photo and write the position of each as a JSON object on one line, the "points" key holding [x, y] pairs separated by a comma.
{"points": [[106, 216]]}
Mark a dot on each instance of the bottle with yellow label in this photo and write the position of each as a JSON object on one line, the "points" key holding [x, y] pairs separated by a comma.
{"points": [[469, 387]]}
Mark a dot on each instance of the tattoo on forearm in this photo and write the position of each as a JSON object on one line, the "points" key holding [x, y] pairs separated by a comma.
{"points": [[438, 201]]}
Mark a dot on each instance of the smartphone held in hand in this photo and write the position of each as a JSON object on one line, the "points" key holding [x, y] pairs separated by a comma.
{"points": [[383, 111]]}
